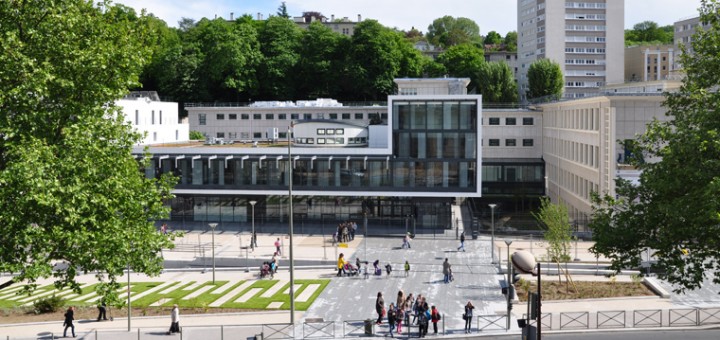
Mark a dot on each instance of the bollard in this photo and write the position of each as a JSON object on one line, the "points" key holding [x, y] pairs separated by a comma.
{"points": [[222, 332], [138, 333]]}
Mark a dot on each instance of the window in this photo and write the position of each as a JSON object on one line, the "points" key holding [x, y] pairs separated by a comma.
{"points": [[257, 135], [152, 118], [311, 140], [339, 132], [232, 135], [345, 116], [257, 116], [307, 116], [220, 116], [269, 116], [294, 116], [494, 142], [321, 140], [510, 142], [528, 121], [359, 116], [494, 121], [244, 116], [330, 131], [160, 117], [339, 140], [137, 117], [154, 136], [320, 131], [202, 119], [282, 116], [510, 121], [383, 116], [220, 135], [333, 116], [232, 116], [527, 142]]}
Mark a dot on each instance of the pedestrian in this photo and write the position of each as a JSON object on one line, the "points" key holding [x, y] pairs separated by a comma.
{"points": [[391, 318], [416, 307], [163, 228], [409, 303], [446, 271], [341, 264], [406, 241], [102, 309], [434, 317], [174, 320], [380, 308], [407, 268], [462, 241], [253, 242], [400, 301], [467, 316], [400, 316], [68, 323], [277, 246]]}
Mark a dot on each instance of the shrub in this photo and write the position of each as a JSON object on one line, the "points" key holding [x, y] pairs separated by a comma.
{"points": [[48, 305]]}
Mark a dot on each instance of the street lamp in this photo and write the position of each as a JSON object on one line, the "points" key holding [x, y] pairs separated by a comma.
{"points": [[290, 210], [252, 236], [492, 231], [509, 284], [212, 228]]}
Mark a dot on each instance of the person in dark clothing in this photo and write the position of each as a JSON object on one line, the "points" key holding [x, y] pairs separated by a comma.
{"points": [[69, 317], [434, 318], [468, 315], [379, 307], [462, 241], [102, 309]]}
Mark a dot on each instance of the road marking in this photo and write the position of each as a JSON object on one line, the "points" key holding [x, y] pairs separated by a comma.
{"points": [[296, 287], [225, 298], [307, 293], [224, 287], [197, 293], [274, 289], [152, 290], [250, 293], [274, 305]]}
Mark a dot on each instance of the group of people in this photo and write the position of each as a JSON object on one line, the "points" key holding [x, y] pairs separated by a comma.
{"points": [[345, 232], [269, 268], [405, 307]]}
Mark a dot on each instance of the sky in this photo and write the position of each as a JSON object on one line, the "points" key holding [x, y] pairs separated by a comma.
{"points": [[490, 15]]}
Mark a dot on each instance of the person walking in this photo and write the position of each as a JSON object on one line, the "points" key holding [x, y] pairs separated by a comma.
{"points": [[407, 268], [434, 317], [391, 318], [379, 307], [102, 310], [462, 241], [416, 307], [174, 320], [277, 246], [341, 264], [409, 303], [467, 316], [68, 323], [253, 241], [446, 270]]}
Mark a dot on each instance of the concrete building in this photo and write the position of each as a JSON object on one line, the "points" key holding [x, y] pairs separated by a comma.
{"points": [[586, 37], [649, 63], [344, 25], [158, 121], [683, 36]]}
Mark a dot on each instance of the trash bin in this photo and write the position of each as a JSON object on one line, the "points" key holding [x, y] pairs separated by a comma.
{"points": [[474, 234], [368, 327]]}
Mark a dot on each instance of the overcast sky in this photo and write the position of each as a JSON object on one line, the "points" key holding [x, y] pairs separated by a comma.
{"points": [[490, 15]]}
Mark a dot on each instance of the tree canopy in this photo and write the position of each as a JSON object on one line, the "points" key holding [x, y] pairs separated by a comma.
{"points": [[464, 60], [545, 79], [493, 38], [449, 31], [648, 32], [497, 83], [71, 191], [674, 211]]}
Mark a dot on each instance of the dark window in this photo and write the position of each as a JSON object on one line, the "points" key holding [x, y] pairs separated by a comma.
{"points": [[220, 116], [202, 119], [307, 116], [345, 116], [510, 142], [244, 116], [333, 115], [359, 116], [257, 116], [232, 116], [257, 135], [528, 142], [494, 142], [220, 135], [510, 121], [528, 121], [383, 116], [494, 121], [282, 116], [269, 116], [294, 116]]}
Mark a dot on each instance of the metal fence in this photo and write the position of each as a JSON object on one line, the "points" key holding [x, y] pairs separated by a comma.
{"points": [[319, 329]]}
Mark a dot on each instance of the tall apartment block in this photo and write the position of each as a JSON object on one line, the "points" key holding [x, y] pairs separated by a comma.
{"points": [[586, 37]]}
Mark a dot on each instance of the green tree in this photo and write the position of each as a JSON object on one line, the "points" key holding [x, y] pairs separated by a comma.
{"points": [[282, 11], [493, 38], [279, 43], [375, 60], [321, 59], [463, 60], [449, 31], [510, 41], [674, 211], [545, 80], [558, 231], [648, 32], [71, 191], [497, 83], [165, 41], [196, 135]]}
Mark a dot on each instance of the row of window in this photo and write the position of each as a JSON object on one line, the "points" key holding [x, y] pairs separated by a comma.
{"points": [[202, 117], [339, 140], [599, 5], [152, 117], [584, 84], [585, 27], [584, 62], [582, 73], [588, 50], [584, 39], [247, 135], [338, 132], [584, 16], [510, 121], [510, 142]]}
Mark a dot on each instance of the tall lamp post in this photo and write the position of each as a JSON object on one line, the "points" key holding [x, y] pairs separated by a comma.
{"points": [[290, 209], [128, 294], [509, 284], [212, 229], [492, 231], [252, 236]]}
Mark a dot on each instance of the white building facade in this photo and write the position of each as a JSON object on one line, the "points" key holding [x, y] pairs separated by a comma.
{"points": [[158, 121]]}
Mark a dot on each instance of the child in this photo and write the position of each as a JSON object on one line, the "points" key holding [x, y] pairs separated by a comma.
{"points": [[407, 268], [388, 268]]}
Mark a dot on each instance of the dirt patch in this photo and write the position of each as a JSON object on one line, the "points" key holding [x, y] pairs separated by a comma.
{"points": [[553, 290], [24, 315]]}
